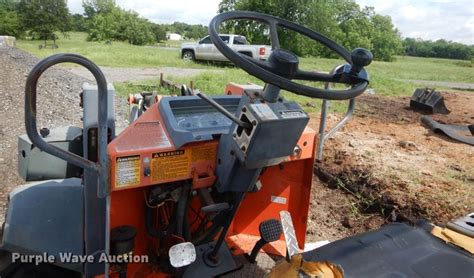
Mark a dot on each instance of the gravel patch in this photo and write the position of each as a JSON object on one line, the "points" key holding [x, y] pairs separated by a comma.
{"points": [[58, 105]]}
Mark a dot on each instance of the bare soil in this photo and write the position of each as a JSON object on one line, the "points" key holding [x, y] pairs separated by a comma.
{"points": [[385, 166]]}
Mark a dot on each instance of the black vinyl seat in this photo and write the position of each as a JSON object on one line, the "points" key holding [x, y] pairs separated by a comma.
{"points": [[396, 251]]}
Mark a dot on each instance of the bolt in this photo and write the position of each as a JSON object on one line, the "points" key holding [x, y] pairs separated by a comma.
{"points": [[296, 151], [44, 132], [147, 172]]}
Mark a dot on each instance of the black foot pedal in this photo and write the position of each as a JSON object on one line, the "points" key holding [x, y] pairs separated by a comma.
{"points": [[270, 231]]}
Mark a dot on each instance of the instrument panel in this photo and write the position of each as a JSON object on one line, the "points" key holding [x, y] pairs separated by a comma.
{"points": [[191, 119]]}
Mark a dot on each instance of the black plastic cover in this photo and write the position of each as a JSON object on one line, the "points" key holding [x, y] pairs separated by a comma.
{"points": [[396, 250]]}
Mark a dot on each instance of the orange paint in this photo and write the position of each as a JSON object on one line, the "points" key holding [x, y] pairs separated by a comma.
{"points": [[284, 187], [148, 136]]}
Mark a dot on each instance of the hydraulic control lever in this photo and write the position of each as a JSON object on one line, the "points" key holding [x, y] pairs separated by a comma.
{"points": [[224, 111]]}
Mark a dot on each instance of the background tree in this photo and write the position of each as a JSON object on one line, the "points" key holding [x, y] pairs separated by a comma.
{"points": [[43, 17], [196, 31], [78, 23], [107, 21], [438, 49], [386, 44], [104, 26], [10, 21], [160, 32], [341, 20], [257, 33], [93, 7], [177, 27], [134, 29]]}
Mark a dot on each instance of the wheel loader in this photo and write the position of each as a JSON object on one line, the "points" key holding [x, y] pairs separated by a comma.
{"points": [[199, 186]]}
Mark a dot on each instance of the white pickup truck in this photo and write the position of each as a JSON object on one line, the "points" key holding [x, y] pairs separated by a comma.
{"points": [[206, 50]]}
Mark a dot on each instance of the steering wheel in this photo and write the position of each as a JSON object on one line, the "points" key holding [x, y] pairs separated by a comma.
{"points": [[283, 66]]}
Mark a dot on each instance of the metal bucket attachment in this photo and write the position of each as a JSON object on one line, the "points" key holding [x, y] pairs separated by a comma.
{"points": [[428, 101]]}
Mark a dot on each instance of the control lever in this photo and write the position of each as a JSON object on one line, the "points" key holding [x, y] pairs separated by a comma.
{"points": [[224, 111], [215, 208]]}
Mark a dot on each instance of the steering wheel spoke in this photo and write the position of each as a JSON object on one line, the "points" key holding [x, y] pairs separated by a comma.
{"points": [[315, 76], [260, 63], [274, 34]]}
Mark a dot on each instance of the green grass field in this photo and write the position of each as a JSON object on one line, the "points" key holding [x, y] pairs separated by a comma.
{"points": [[118, 54], [385, 76]]}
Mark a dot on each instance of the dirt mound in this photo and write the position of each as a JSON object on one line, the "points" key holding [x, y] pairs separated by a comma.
{"points": [[394, 167]]}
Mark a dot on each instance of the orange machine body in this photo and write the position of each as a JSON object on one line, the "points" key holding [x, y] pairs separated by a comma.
{"points": [[143, 156]]}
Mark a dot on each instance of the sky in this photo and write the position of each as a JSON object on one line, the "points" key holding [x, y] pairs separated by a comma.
{"points": [[426, 19]]}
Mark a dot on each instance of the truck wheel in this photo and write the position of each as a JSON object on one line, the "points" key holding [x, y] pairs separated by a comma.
{"points": [[188, 56]]}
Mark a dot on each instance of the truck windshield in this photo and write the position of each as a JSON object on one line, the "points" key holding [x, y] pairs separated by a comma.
{"points": [[225, 39], [240, 40], [206, 40]]}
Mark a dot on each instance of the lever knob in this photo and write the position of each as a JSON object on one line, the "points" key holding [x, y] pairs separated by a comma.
{"points": [[360, 57]]}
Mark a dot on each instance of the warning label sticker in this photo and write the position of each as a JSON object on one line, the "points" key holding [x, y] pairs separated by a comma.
{"points": [[127, 171], [170, 165]]}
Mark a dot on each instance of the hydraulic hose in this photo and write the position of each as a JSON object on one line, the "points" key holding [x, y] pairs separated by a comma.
{"points": [[181, 212]]}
